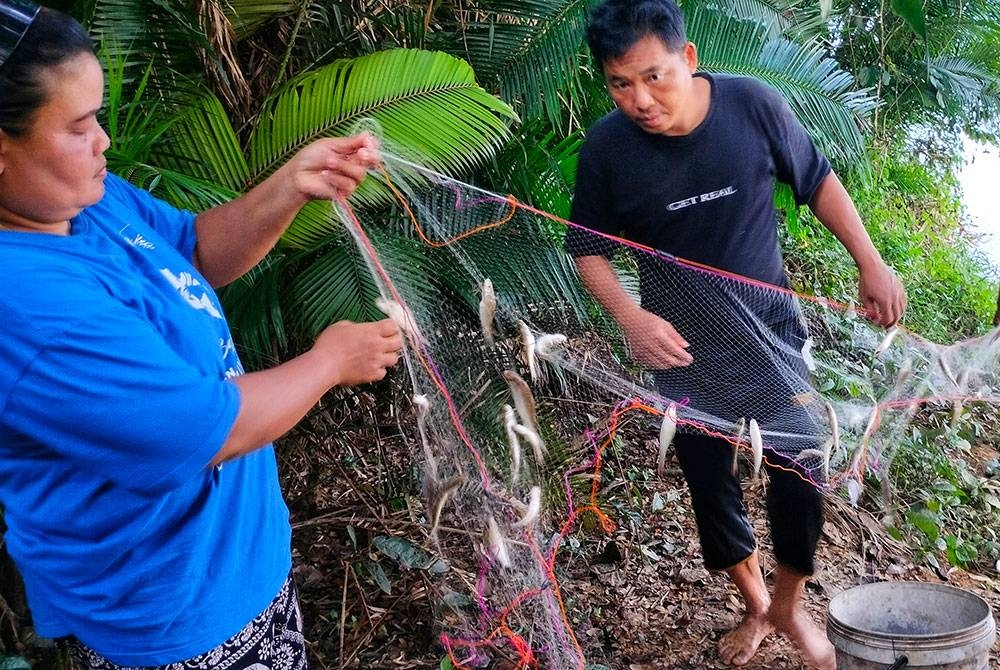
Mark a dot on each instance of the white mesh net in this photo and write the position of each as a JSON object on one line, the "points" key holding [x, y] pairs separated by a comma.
{"points": [[520, 381]]}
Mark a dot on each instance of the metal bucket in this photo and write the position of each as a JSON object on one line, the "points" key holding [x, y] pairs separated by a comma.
{"points": [[910, 625]]}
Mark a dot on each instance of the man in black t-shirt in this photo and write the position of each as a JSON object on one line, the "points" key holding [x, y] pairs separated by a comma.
{"points": [[687, 165]]}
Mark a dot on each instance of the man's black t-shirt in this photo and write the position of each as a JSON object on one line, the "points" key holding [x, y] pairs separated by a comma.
{"points": [[707, 196]]}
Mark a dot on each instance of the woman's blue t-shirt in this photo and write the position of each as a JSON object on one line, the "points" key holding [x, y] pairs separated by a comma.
{"points": [[115, 394]]}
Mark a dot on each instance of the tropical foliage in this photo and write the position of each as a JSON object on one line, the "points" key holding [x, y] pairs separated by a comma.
{"points": [[196, 132], [206, 98]]}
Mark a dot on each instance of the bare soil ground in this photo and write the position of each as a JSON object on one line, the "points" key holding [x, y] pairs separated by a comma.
{"points": [[639, 598]]}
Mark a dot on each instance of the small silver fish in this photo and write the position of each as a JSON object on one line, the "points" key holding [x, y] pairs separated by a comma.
{"points": [[496, 546], [946, 369], [804, 399], [888, 516], [904, 374], [422, 404], [855, 469], [509, 422], [807, 356], [545, 345], [439, 495], [423, 407], [833, 446], [883, 346], [873, 422], [534, 440], [402, 317], [534, 508], [757, 444], [667, 430], [524, 402], [487, 308], [811, 453], [741, 427], [854, 490], [528, 350], [956, 407]]}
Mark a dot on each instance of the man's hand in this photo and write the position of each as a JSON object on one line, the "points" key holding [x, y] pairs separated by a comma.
{"points": [[882, 294], [653, 341]]}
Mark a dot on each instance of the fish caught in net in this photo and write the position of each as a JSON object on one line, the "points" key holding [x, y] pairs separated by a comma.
{"points": [[520, 381]]}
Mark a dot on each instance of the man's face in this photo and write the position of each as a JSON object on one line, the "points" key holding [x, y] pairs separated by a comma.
{"points": [[654, 87]]}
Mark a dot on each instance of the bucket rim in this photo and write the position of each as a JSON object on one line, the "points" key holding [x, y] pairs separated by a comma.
{"points": [[985, 626]]}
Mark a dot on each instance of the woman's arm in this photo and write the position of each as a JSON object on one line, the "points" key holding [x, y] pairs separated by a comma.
{"points": [[234, 237], [274, 400]]}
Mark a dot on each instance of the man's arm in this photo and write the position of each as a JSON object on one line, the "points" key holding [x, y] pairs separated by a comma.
{"points": [[234, 237], [880, 290], [653, 341]]}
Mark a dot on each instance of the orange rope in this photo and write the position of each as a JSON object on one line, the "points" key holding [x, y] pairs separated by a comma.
{"points": [[511, 200]]}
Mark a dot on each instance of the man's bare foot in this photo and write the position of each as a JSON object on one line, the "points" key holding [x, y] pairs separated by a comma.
{"points": [[816, 650], [739, 645]]}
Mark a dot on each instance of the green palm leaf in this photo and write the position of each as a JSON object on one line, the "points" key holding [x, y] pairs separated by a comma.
{"points": [[138, 29], [253, 310], [334, 283], [426, 104], [966, 84], [761, 12], [249, 15], [539, 167], [529, 50], [202, 143]]}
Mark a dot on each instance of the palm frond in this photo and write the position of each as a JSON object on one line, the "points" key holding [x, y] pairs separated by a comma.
{"points": [[253, 310], [528, 50], [798, 20], [426, 106], [134, 124], [334, 284], [968, 84], [423, 100], [761, 12], [533, 271], [202, 143], [249, 15], [539, 167], [179, 189], [138, 29]]}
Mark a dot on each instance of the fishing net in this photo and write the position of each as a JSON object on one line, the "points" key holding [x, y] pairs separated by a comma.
{"points": [[521, 381]]}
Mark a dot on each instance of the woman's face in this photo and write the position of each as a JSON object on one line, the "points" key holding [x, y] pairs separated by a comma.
{"points": [[56, 168]]}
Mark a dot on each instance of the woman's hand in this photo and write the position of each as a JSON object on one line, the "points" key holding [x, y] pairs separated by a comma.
{"points": [[359, 352], [331, 169], [274, 400], [235, 236]]}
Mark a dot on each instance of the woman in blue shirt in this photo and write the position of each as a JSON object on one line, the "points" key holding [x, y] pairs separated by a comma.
{"points": [[137, 478]]}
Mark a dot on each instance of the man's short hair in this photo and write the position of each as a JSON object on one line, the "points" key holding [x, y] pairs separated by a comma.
{"points": [[616, 25]]}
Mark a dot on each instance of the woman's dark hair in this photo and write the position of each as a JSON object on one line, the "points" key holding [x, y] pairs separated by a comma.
{"points": [[616, 25], [51, 39]]}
